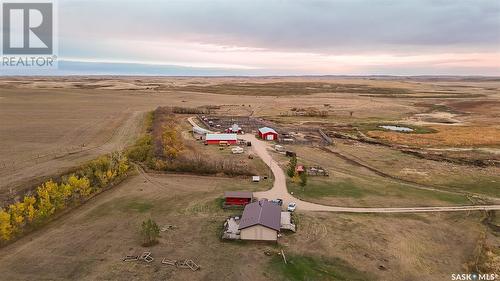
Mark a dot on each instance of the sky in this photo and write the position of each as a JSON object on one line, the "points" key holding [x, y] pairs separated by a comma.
{"points": [[279, 37]]}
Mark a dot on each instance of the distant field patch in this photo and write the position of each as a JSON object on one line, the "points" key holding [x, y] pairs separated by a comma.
{"points": [[290, 88], [465, 136], [367, 127]]}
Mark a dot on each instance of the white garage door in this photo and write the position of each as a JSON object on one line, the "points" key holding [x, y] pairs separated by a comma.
{"points": [[270, 137]]}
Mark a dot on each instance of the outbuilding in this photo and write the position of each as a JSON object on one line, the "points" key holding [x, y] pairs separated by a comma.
{"points": [[300, 169], [200, 131], [260, 221], [235, 129], [237, 198], [221, 139], [267, 133]]}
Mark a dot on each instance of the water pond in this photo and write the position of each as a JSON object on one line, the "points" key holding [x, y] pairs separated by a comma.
{"points": [[397, 128]]}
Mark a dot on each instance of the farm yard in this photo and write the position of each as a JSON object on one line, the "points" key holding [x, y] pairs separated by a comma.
{"points": [[90, 243], [450, 157]]}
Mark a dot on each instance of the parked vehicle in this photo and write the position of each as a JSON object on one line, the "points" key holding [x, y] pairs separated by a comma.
{"points": [[279, 148], [237, 150], [277, 201], [291, 206], [224, 143]]}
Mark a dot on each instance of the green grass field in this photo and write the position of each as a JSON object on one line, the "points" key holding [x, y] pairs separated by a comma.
{"points": [[366, 192], [300, 268], [482, 185], [317, 188]]}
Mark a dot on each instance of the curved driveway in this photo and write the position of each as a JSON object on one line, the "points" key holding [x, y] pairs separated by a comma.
{"points": [[279, 190]]}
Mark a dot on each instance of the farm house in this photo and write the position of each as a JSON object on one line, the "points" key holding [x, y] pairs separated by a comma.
{"points": [[267, 133], [260, 221], [228, 139], [237, 198]]}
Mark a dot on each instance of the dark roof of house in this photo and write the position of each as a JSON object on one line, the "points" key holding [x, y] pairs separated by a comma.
{"points": [[238, 194], [262, 213]]}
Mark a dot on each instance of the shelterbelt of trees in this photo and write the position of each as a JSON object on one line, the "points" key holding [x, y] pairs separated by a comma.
{"points": [[52, 197], [163, 148]]}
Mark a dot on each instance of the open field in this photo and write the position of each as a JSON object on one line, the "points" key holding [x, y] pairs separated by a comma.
{"points": [[89, 243], [66, 121], [446, 176], [351, 185], [50, 125]]}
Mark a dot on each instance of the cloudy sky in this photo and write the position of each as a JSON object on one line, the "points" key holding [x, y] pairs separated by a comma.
{"points": [[265, 37]]}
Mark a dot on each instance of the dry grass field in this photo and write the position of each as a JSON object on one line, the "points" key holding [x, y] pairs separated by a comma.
{"points": [[441, 175], [463, 136], [352, 185], [50, 125]]}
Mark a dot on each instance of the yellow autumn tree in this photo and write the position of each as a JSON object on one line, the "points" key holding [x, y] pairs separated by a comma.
{"points": [[80, 185], [172, 143], [119, 164], [44, 205], [66, 190], [56, 194], [6, 230], [102, 178], [29, 208], [110, 175], [123, 166], [16, 212]]}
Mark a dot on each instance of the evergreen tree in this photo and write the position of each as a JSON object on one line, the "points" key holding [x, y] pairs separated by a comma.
{"points": [[292, 165], [150, 232]]}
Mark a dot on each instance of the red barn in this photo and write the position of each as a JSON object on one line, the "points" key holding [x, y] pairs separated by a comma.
{"points": [[221, 139], [237, 198], [267, 133]]}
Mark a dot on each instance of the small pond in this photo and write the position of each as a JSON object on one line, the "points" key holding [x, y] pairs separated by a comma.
{"points": [[397, 128]]}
